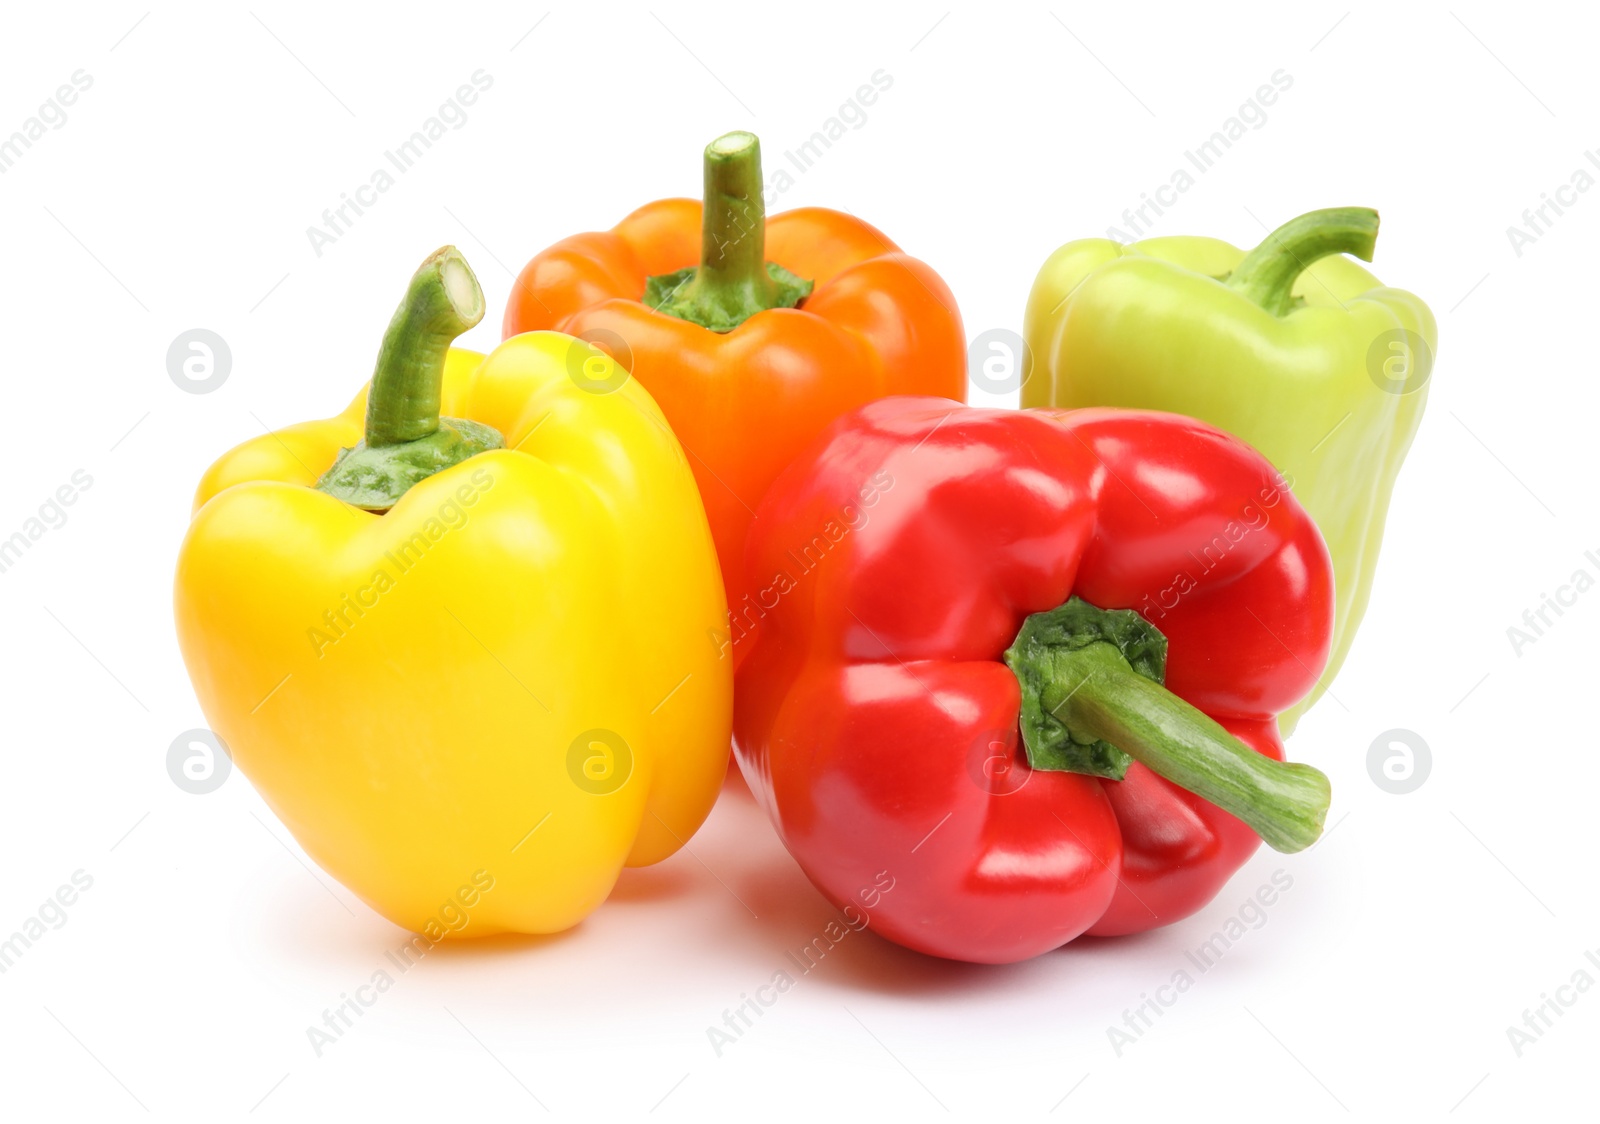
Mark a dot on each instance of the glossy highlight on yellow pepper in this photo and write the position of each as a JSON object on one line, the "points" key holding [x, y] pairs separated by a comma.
{"points": [[500, 691]]}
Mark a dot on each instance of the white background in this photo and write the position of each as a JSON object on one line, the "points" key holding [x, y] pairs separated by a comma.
{"points": [[177, 195]]}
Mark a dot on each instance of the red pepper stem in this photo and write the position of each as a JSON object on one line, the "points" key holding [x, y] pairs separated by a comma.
{"points": [[1284, 802], [1268, 273]]}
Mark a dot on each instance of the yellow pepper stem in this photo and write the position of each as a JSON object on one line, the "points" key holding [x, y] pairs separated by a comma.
{"points": [[443, 301], [407, 441]]}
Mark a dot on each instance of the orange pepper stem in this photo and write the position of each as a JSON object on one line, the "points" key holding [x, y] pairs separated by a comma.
{"points": [[733, 224], [733, 281]]}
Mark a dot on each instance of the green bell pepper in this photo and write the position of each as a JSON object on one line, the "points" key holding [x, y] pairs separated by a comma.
{"points": [[1292, 347]]}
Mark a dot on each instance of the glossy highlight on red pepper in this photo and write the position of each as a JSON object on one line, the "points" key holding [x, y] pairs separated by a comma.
{"points": [[878, 724]]}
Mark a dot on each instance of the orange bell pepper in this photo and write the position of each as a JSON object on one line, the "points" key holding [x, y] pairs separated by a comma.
{"points": [[752, 334]]}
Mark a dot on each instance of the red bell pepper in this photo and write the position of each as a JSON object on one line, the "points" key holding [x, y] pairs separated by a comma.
{"points": [[941, 583]]}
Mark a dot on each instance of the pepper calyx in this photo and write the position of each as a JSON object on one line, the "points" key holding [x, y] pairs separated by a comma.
{"points": [[374, 479], [1086, 708], [406, 440], [1042, 658], [667, 292], [733, 281]]}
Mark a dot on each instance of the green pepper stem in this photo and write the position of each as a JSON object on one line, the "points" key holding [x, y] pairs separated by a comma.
{"points": [[734, 280], [407, 441], [1268, 273], [733, 223], [1284, 802], [443, 301]]}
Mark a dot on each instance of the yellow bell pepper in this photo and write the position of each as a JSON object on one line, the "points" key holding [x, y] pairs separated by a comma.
{"points": [[480, 684]]}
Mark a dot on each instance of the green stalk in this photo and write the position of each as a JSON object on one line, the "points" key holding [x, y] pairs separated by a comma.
{"points": [[734, 280], [1268, 272], [1093, 702], [406, 439]]}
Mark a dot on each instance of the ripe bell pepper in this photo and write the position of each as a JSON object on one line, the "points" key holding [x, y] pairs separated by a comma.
{"points": [[943, 581], [752, 333], [1297, 350], [463, 657]]}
